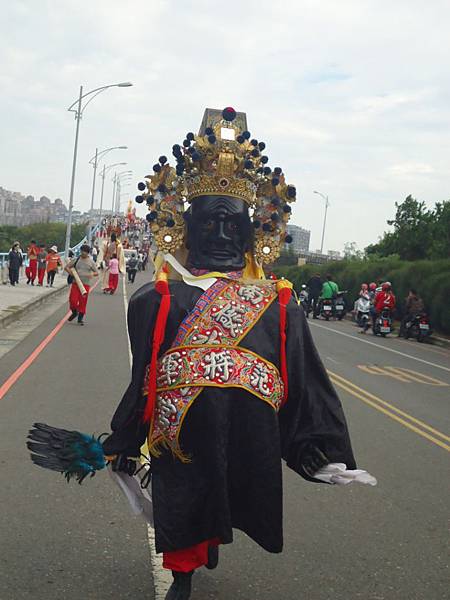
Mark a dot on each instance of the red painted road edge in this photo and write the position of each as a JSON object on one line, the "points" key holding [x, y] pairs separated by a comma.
{"points": [[7, 385]]}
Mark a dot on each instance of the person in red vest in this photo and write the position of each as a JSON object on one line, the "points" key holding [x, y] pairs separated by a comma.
{"points": [[41, 264], [383, 299], [32, 252]]}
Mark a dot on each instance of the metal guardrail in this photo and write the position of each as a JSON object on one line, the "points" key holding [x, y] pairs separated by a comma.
{"points": [[75, 249]]}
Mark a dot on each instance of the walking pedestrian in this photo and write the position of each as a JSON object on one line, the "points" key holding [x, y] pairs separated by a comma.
{"points": [[41, 264], [113, 278], [15, 261], [132, 268], [32, 253], [86, 270], [53, 262], [314, 288]]}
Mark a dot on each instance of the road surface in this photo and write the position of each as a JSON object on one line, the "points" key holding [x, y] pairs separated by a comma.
{"points": [[60, 541]]}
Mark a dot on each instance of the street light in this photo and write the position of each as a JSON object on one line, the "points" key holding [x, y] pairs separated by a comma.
{"points": [[94, 162], [102, 175], [116, 188], [327, 204], [78, 115]]}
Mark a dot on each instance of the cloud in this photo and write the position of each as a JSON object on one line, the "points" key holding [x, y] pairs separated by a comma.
{"points": [[407, 169], [346, 99]]}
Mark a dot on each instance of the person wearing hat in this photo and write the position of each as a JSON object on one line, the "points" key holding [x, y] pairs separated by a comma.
{"points": [[15, 261], [53, 262], [226, 380], [86, 270]]}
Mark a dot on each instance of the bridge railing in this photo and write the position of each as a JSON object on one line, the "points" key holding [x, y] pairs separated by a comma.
{"points": [[75, 249]]}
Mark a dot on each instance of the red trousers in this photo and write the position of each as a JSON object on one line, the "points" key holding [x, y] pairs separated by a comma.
{"points": [[41, 275], [190, 558], [113, 282], [76, 300], [32, 270]]}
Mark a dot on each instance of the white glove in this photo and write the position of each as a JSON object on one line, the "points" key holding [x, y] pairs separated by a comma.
{"points": [[337, 473]]}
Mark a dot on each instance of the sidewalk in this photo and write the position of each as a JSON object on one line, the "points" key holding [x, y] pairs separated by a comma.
{"points": [[18, 300]]}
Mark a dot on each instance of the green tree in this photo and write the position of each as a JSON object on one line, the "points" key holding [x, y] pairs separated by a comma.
{"points": [[418, 233], [50, 234]]}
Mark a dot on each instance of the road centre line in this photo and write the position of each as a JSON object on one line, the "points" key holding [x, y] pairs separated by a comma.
{"points": [[390, 406], [162, 578], [359, 339], [379, 404]]}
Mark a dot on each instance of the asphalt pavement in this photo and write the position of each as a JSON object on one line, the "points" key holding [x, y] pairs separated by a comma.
{"points": [[60, 541]]}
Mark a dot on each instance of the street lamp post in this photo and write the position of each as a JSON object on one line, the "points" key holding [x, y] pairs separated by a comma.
{"points": [[116, 188], [78, 114], [327, 204], [94, 162]]}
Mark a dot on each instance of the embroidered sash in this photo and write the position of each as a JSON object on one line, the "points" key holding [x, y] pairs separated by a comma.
{"points": [[206, 353]]}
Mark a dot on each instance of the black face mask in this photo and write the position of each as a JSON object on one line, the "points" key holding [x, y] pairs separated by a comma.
{"points": [[219, 233]]}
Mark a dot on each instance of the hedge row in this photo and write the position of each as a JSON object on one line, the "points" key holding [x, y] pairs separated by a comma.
{"points": [[431, 278]]}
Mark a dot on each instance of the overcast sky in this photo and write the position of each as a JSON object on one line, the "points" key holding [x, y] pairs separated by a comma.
{"points": [[352, 97]]}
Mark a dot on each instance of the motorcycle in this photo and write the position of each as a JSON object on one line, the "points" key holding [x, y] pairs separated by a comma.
{"points": [[383, 323], [303, 300], [339, 306], [326, 309], [362, 311], [419, 328]]}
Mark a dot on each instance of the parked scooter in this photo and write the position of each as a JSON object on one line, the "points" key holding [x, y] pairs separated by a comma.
{"points": [[383, 323], [326, 309], [419, 327], [340, 307], [362, 312]]}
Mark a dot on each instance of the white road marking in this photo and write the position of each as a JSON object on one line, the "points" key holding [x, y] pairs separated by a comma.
{"points": [[162, 578], [332, 359], [359, 339]]}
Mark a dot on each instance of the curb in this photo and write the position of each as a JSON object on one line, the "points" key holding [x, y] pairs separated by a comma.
{"points": [[16, 314]]}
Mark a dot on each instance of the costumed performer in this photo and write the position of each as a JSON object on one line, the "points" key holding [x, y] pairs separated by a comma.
{"points": [[226, 380], [107, 250]]}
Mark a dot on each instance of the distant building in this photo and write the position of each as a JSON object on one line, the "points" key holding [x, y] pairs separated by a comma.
{"points": [[300, 239], [19, 210], [318, 258]]}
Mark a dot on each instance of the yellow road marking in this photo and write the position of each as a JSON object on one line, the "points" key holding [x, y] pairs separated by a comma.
{"points": [[375, 401], [391, 415], [419, 377], [402, 374], [374, 370]]}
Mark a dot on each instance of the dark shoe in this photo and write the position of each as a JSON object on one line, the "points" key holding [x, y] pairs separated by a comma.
{"points": [[73, 315], [80, 319], [213, 557], [181, 586]]}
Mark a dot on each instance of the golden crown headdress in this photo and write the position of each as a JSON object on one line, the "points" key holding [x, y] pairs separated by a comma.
{"points": [[221, 160]]}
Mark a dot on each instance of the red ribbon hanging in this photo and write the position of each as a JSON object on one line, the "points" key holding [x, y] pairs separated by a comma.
{"points": [[162, 287]]}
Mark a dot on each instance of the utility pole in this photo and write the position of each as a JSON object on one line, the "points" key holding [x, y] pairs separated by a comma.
{"points": [[114, 193], [327, 204]]}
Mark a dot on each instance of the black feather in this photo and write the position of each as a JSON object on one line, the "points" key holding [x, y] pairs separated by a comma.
{"points": [[72, 453]]}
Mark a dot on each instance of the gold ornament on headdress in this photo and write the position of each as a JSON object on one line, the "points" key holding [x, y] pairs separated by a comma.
{"points": [[220, 160]]}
